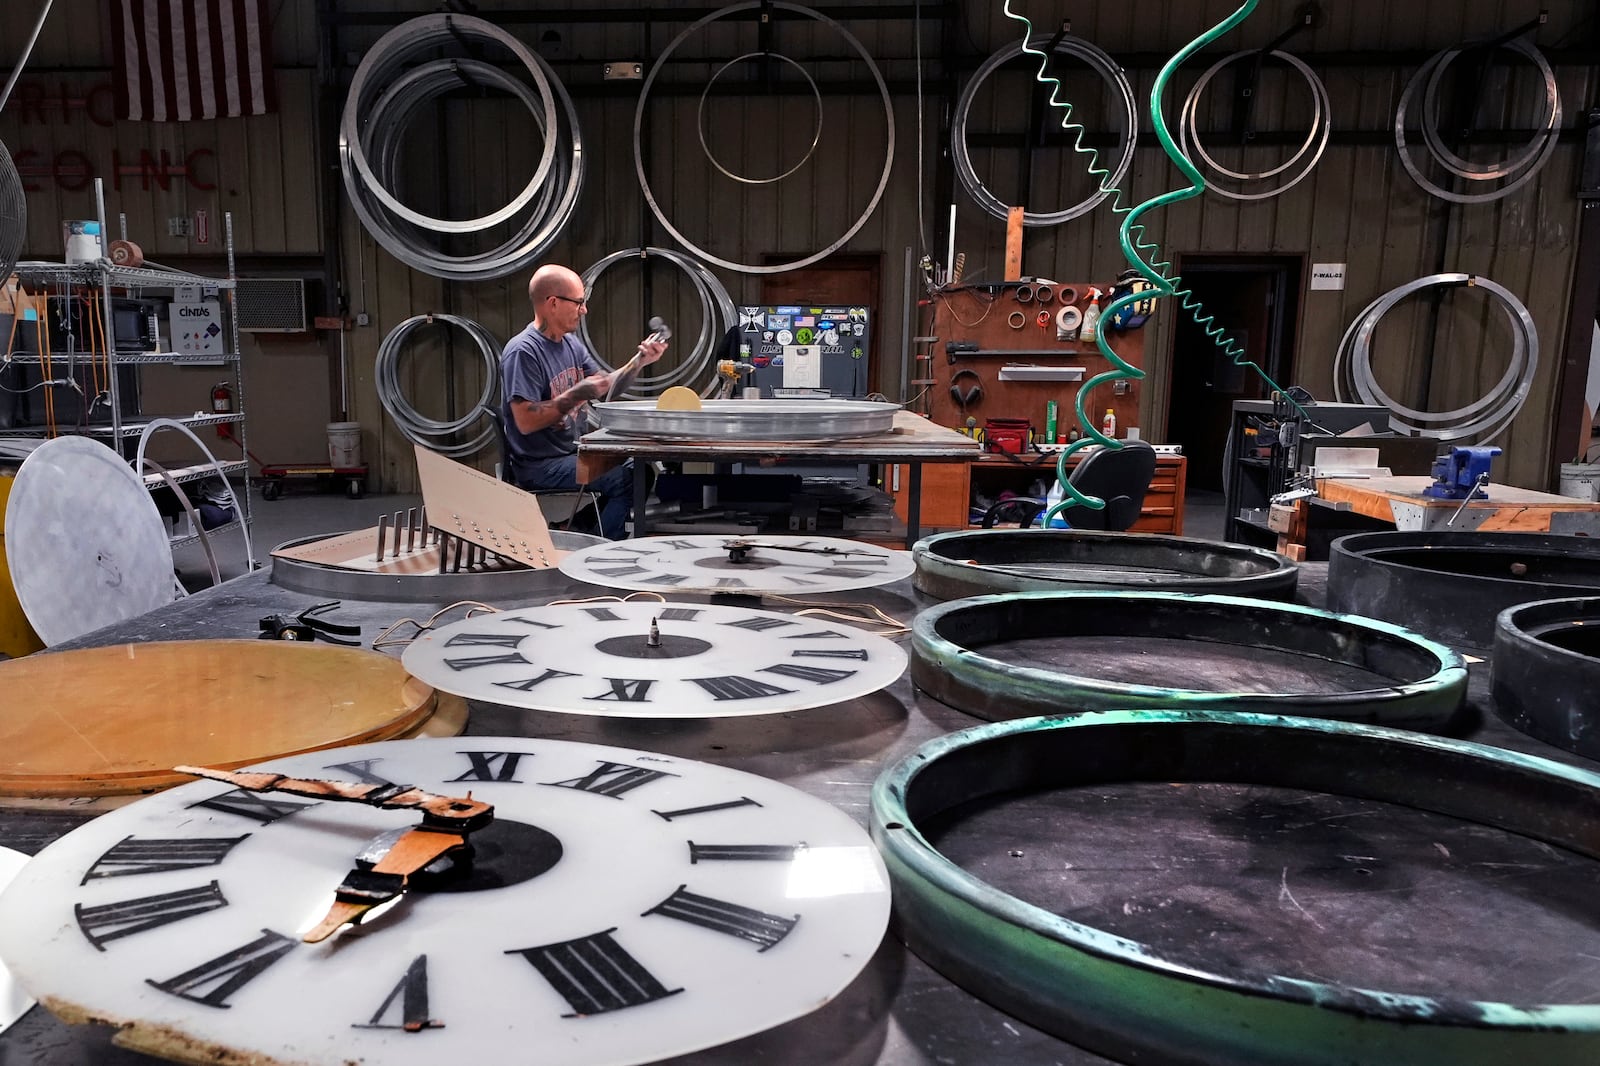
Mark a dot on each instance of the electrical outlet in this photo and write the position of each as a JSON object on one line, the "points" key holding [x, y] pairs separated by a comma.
{"points": [[363, 319], [1121, 388]]}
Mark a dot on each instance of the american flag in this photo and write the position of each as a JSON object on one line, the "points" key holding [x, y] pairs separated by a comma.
{"points": [[191, 59]]}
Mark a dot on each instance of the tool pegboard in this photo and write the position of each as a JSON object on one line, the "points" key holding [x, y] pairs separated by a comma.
{"points": [[1004, 342]]}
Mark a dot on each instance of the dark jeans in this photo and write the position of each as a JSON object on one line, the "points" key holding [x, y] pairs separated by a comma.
{"points": [[614, 487]]}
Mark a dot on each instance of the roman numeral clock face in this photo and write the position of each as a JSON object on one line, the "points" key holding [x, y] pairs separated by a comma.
{"points": [[654, 660], [622, 907], [720, 563]]}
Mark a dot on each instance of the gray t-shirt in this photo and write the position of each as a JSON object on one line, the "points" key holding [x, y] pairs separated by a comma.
{"points": [[535, 368]]}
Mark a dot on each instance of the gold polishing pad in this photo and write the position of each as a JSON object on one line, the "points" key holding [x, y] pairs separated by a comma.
{"points": [[116, 720], [678, 398]]}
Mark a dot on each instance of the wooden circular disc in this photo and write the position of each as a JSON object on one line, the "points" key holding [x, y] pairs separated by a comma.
{"points": [[117, 719], [678, 398]]}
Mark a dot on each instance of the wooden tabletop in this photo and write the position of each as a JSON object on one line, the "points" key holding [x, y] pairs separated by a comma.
{"points": [[1515, 508], [913, 439]]}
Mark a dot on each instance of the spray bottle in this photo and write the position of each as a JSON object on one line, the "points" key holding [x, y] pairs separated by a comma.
{"points": [[1091, 318]]}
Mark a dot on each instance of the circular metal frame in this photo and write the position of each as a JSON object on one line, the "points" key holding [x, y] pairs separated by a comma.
{"points": [[1321, 129], [1483, 419], [644, 97], [1428, 681], [700, 116], [742, 420], [390, 54], [319, 579], [1530, 152], [1545, 680], [1098, 61], [1407, 578], [418, 428], [85, 544], [717, 318], [990, 561], [550, 212], [1114, 994], [1426, 75], [13, 213]]}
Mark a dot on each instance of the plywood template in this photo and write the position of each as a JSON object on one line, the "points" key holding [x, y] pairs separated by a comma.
{"points": [[475, 506]]}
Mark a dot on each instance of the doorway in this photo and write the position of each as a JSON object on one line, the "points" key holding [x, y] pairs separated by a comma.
{"points": [[847, 278], [1255, 299]]}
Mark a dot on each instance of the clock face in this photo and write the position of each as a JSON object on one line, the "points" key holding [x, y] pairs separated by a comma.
{"points": [[711, 660], [794, 565], [622, 907]]}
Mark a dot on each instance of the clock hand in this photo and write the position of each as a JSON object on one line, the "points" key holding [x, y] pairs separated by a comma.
{"points": [[739, 547], [361, 890], [451, 813]]}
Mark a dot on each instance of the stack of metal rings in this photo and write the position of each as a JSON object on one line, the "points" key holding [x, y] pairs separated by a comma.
{"points": [[1316, 141], [397, 77], [442, 436]]}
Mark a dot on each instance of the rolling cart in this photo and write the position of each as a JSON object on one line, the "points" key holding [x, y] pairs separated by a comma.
{"points": [[274, 477]]}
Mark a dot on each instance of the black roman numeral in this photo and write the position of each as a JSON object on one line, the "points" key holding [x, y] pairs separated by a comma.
{"points": [[154, 855], [666, 579], [412, 992], [720, 916], [227, 973], [821, 675], [111, 921], [830, 653], [743, 852], [680, 614], [681, 545], [528, 621], [510, 658], [627, 689], [611, 779], [491, 766], [738, 688], [684, 812], [595, 975], [490, 640], [528, 683], [732, 583], [816, 636], [264, 809], [602, 614], [621, 571], [795, 579], [361, 770], [844, 570]]}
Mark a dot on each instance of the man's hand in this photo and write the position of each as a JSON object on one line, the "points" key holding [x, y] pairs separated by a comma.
{"points": [[650, 351]]}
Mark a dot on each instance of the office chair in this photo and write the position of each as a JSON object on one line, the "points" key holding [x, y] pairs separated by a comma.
{"points": [[1120, 476]]}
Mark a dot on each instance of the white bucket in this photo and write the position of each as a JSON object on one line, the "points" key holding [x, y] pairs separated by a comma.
{"points": [[344, 444], [1581, 481]]}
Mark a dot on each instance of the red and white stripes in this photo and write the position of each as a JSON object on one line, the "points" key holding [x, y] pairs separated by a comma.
{"points": [[191, 59]]}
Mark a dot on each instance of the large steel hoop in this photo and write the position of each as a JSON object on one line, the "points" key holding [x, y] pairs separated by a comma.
{"points": [[1316, 137]]}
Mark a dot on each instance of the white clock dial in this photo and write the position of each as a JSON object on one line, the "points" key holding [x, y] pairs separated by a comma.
{"points": [[622, 907], [708, 660], [722, 563]]}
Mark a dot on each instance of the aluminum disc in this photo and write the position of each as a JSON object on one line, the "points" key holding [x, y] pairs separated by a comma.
{"points": [[745, 420], [85, 542], [710, 661], [721, 563]]}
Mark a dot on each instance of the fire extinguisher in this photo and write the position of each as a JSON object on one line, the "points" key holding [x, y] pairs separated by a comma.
{"points": [[222, 404]]}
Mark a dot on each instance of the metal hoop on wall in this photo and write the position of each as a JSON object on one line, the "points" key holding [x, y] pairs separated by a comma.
{"points": [[1316, 140]]}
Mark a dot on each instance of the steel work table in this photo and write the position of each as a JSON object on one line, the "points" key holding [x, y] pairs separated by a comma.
{"points": [[1228, 866], [913, 442]]}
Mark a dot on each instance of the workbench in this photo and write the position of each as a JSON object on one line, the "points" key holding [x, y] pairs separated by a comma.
{"points": [[1309, 882], [913, 442], [1508, 508]]}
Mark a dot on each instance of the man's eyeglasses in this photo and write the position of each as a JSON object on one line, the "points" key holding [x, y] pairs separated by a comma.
{"points": [[579, 300]]}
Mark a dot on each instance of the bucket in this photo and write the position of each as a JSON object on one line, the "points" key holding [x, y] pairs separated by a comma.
{"points": [[1581, 481], [344, 444], [82, 241]]}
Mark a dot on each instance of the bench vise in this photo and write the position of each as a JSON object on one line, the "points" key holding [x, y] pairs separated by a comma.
{"points": [[1463, 474]]}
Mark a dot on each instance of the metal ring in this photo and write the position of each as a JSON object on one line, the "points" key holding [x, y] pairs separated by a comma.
{"points": [[549, 215], [1024, 294], [1546, 673], [395, 49], [1116, 995], [1044, 294], [816, 136], [1321, 130], [638, 127], [1016, 320], [1067, 294], [1103, 65], [719, 316], [1550, 124], [418, 428], [1424, 681], [1546, 149], [1485, 418]]}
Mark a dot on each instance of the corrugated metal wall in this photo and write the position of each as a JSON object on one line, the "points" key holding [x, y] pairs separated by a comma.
{"points": [[1359, 207]]}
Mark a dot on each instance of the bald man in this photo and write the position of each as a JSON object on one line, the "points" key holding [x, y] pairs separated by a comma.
{"points": [[547, 378]]}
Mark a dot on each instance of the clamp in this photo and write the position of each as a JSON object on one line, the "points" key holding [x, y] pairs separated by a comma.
{"points": [[304, 626]]}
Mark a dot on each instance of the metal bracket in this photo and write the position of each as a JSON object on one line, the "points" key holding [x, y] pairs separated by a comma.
{"points": [[1247, 79]]}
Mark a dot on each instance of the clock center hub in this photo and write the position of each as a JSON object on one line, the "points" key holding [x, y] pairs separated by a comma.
{"points": [[748, 562], [671, 646], [504, 853]]}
